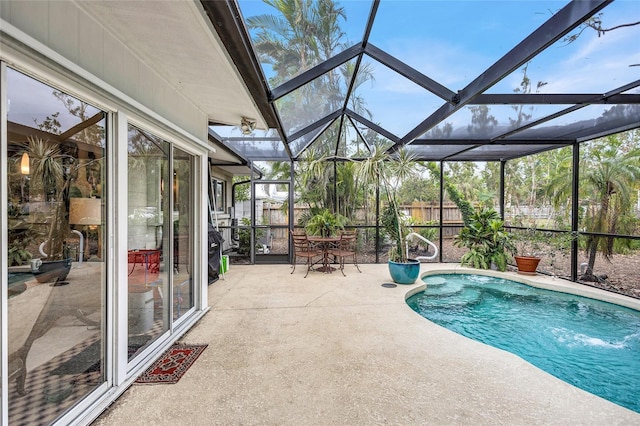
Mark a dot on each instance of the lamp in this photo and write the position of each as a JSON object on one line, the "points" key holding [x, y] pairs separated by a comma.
{"points": [[88, 212], [85, 211], [24, 164], [247, 125]]}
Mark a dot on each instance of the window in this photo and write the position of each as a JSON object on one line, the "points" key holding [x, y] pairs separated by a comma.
{"points": [[218, 195]]}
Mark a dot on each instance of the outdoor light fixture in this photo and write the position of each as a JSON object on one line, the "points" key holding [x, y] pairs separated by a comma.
{"points": [[24, 164], [247, 125]]}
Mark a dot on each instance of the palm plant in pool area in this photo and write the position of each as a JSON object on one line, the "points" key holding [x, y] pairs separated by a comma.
{"points": [[387, 171]]}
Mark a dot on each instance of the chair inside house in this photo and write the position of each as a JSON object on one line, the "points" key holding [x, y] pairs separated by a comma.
{"points": [[346, 247], [302, 248]]}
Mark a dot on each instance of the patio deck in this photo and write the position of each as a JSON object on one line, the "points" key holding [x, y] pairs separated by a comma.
{"points": [[334, 350]]}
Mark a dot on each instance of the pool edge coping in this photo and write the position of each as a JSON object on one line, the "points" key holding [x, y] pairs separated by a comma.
{"points": [[539, 281]]}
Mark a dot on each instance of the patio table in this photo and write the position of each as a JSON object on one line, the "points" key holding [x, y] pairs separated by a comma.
{"points": [[325, 244], [149, 259]]}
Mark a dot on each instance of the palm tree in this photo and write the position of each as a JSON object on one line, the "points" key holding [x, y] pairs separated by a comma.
{"points": [[610, 175], [51, 175], [313, 178], [609, 171], [388, 171]]}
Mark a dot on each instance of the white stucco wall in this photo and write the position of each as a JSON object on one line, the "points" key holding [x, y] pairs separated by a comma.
{"points": [[224, 219], [66, 29]]}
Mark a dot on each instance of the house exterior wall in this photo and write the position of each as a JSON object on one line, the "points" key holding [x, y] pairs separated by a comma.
{"points": [[224, 217], [64, 27], [65, 47]]}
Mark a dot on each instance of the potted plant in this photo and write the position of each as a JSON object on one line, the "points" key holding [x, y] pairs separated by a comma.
{"points": [[532, 244], [528, 250], [489, 244], [51, 173], [19, 236], [325, 223], [387, 171]]}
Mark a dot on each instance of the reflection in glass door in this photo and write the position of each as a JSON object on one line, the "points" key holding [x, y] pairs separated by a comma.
{"points": [[55, 170], [183, 200], [149, 217]]}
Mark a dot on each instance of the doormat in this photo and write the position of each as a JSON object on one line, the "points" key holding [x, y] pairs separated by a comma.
{"points": [[170, 367]]}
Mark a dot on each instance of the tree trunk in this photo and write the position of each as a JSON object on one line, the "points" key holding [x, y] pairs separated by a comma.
{"points": [[592, 246]]}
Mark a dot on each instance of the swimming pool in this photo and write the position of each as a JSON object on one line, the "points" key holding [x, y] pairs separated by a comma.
{"points": [[591, 344]]}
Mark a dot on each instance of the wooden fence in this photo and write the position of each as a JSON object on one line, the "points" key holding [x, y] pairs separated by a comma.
{"points": [[421, 212]]}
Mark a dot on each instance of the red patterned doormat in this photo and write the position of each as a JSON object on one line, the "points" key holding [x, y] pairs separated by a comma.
{"points": [[170, 367]]}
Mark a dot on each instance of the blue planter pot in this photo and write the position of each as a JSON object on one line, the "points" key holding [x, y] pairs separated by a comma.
{"points": [[54, 271], [404, 273]]}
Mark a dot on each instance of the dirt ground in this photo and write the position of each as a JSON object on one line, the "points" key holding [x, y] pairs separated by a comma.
{"points": [[621, 275]]}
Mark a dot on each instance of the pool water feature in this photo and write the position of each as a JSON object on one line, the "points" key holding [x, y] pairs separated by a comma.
{"points": [[590, 344]]}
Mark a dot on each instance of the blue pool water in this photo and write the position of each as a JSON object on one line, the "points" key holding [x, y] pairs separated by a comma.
{"points": [[591, 344]]}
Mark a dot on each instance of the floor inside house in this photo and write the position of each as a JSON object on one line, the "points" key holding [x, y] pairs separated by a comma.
{"points": [[328, 349]]}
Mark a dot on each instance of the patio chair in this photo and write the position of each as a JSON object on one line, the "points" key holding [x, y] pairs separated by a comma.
{"points": [[347, 247], [303, 248]]}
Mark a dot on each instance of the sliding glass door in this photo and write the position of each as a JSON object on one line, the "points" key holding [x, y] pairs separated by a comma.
{"points": [[149, 218], [160, 237], [183, 222], [56, 309]]}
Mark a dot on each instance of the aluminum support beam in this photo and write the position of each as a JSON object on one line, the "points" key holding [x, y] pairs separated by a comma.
{"points": [[569, 17]]}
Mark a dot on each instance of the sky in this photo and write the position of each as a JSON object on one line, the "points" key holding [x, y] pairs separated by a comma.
{"points": [[30, 100], [452, 42]]}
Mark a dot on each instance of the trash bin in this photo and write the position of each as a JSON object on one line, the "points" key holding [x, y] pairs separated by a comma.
{"points": [[224, 264]]}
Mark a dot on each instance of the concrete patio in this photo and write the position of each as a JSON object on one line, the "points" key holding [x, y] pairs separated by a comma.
{"points": [[334, 350]]}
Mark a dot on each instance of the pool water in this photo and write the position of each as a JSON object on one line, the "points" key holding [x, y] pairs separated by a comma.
{"points": [[591, 344]]}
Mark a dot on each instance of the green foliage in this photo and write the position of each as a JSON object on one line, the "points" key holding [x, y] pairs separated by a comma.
{"points": [[18, 256], [530, 242], [306, 215], [51, 172], [313, 180], [396, 227], [542, 243], [465, 207], [386, 171], [420, 189], [20, 236], [487, 240], [325, 223], [429, 233], [242, 191], [244, 236], [611, 181]]}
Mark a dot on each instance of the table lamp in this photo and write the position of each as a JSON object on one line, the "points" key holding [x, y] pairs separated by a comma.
{"points": [[87, 212]]}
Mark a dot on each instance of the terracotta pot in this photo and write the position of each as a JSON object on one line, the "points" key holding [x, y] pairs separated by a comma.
{"points": [[527, 265]]}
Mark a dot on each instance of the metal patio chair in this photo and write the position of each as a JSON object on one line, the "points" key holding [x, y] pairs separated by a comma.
{"points": [[347, 247], [302, 248]]}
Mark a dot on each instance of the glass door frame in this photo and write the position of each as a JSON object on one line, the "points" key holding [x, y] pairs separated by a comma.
{"points": [[126, 367], [272, 258]]}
